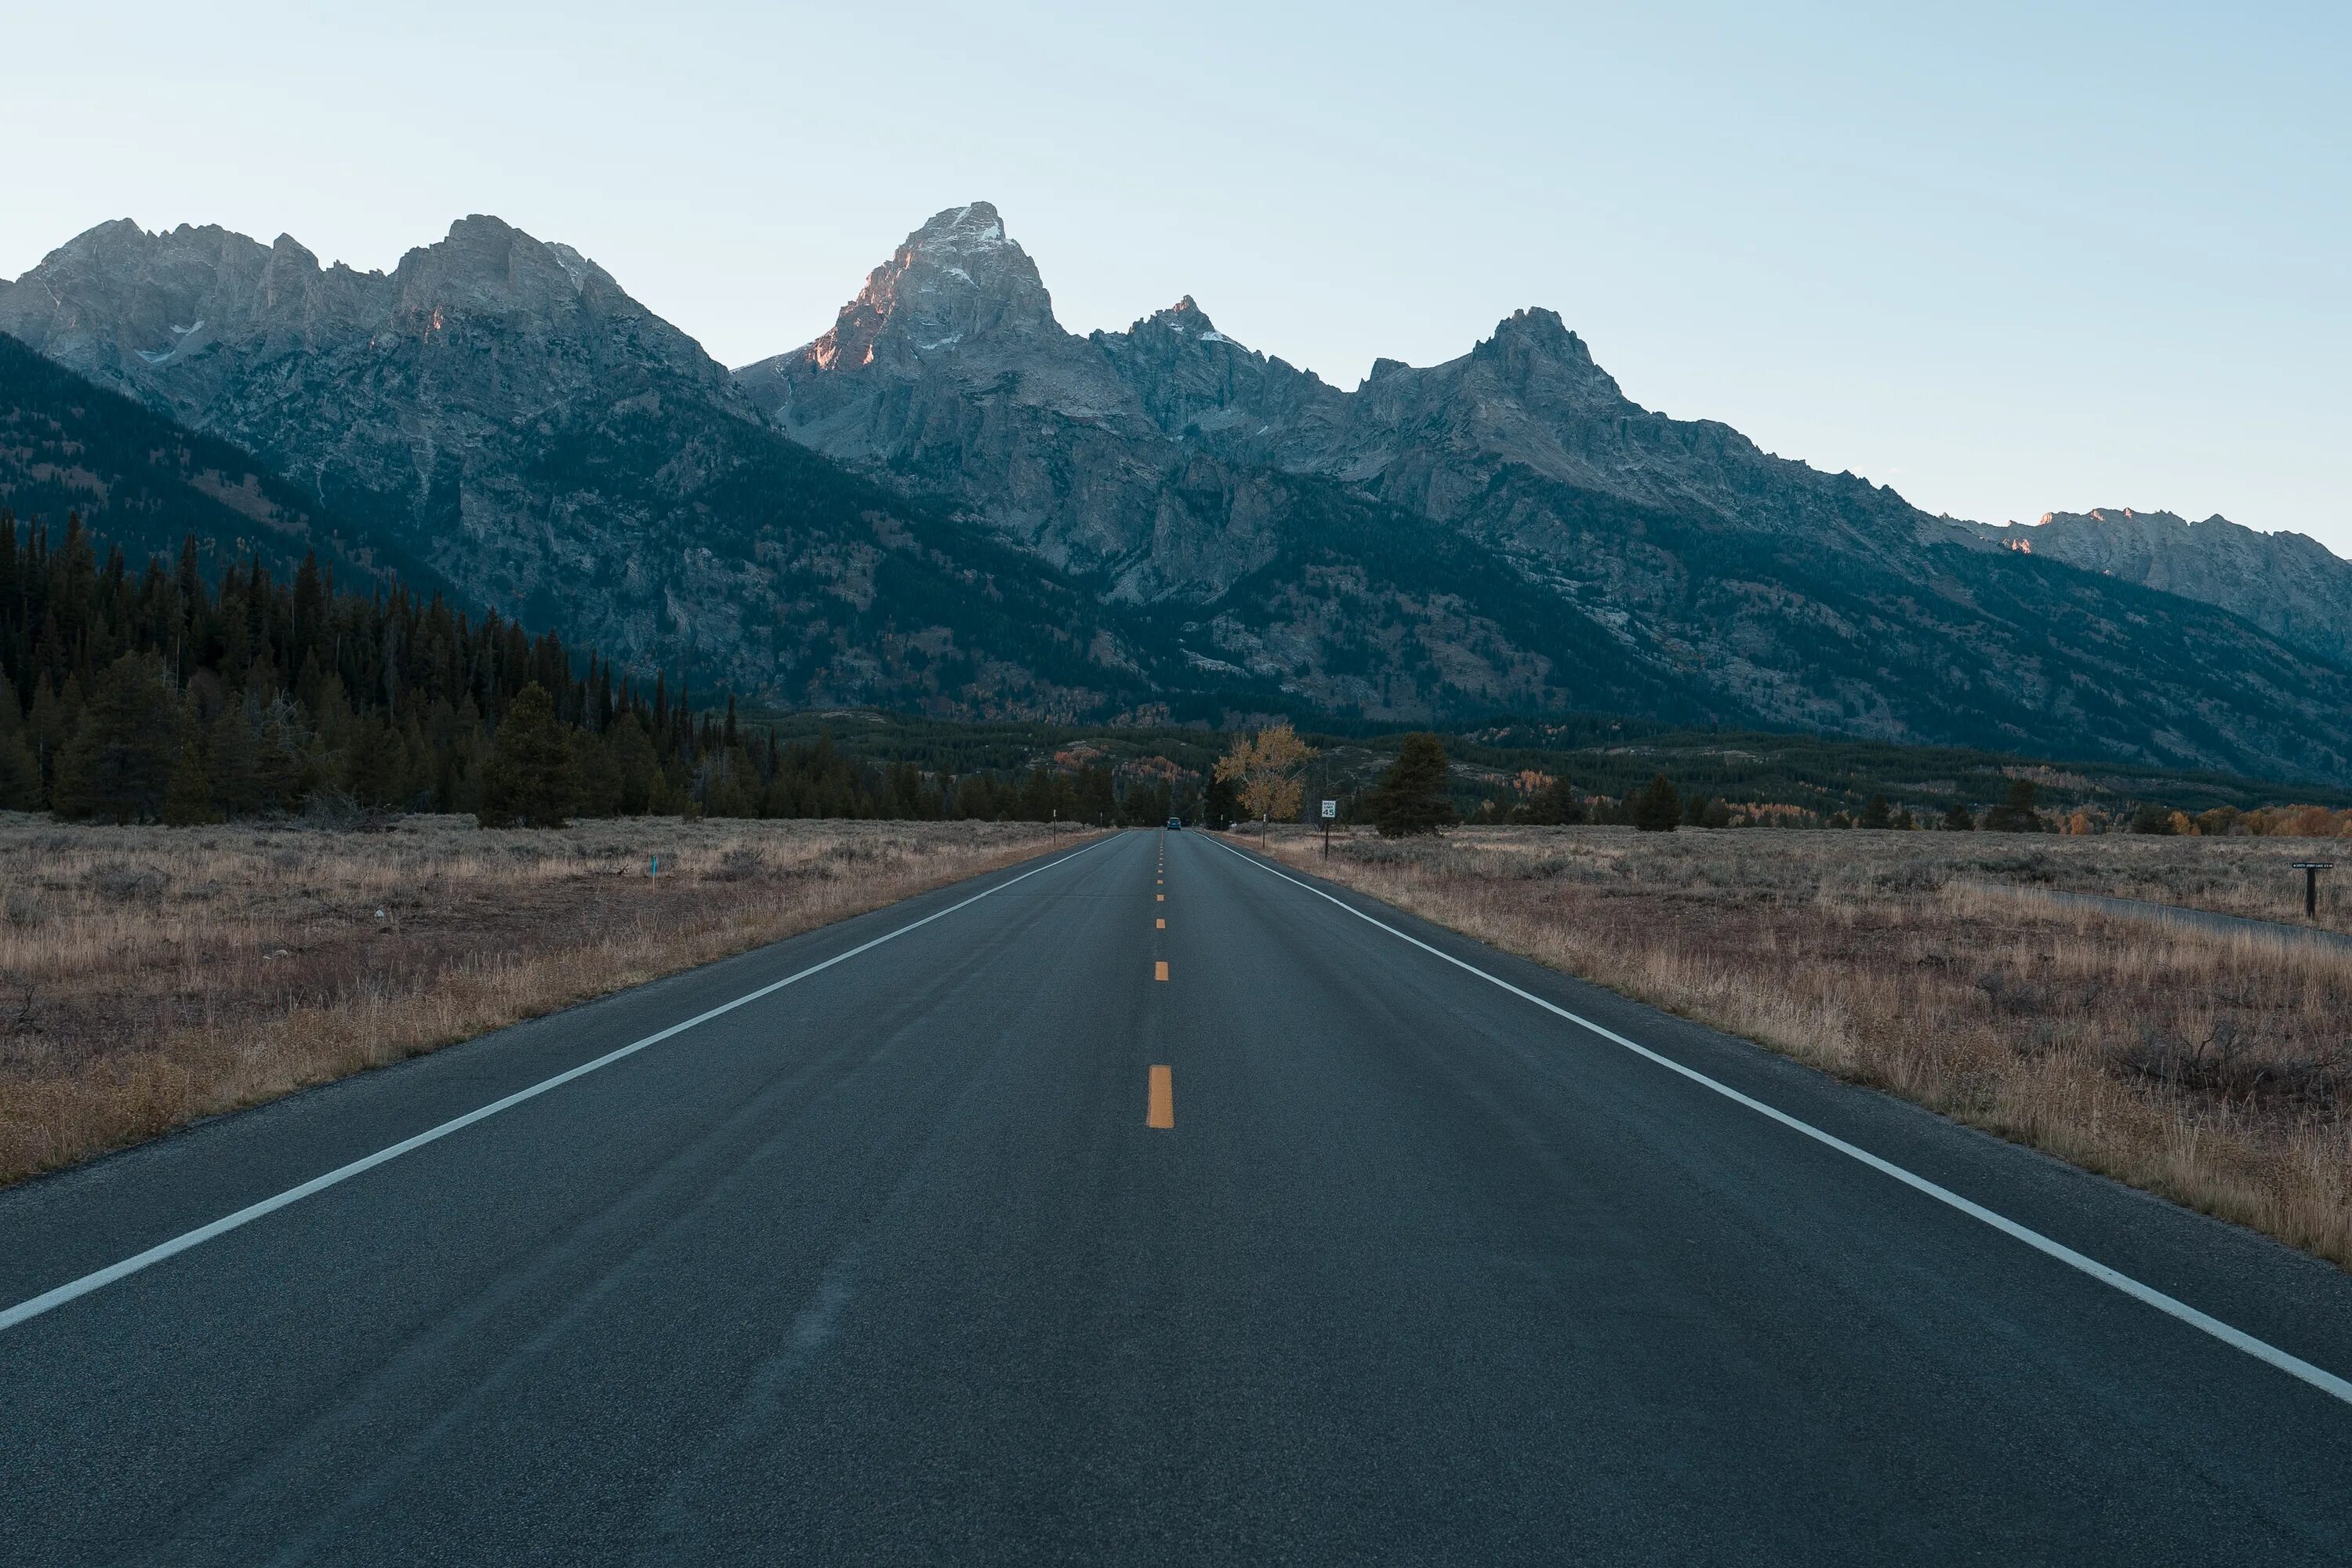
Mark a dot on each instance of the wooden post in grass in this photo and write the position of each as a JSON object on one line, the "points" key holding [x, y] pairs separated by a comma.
{"points": [[2311, 870]]}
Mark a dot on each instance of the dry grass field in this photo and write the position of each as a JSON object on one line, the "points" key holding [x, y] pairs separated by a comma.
{"points": [[2251, 877], [153, 975], [2212, 1069]]}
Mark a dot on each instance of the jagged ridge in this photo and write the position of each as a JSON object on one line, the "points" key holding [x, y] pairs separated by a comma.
{"points": [[1056, 525], [1164, 462]]}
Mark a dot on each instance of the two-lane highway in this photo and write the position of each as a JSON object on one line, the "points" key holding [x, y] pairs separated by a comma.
{"points": [[1143, 1205]]}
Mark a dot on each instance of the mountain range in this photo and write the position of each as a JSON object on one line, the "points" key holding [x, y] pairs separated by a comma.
{"points": [[948, 502], [2290, 584]]}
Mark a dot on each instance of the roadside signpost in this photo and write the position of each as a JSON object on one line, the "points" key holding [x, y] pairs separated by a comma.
{"points": [[2311, 870], [1330, 810]]}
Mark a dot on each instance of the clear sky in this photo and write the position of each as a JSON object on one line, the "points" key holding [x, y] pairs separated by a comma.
{"points": [[2007, 258]]}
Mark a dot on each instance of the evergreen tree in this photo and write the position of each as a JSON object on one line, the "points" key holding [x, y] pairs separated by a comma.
{"points": [[283, 770], [20, 774], [1556, 804], [234, 758], [2015, 813], [291, 686], [976, 799], [527, 781], [1656, 807], [1876, 815], [56, 711], [1221, 803], [1957, 820], [634, 760], [372, 761], [597, 774], [118, 762], [1412, 796], [723, 787], [1038, 796], [188, 796]]}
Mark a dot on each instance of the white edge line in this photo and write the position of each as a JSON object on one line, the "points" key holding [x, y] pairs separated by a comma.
{"points": [[2260, 1350], [48, 1299]]}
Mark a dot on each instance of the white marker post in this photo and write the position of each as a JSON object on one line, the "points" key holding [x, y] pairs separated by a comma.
{"points": [[1330, 810]]}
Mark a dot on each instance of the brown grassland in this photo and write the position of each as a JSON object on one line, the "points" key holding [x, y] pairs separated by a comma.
{"points": [[153, 975], [2208, 1067]]}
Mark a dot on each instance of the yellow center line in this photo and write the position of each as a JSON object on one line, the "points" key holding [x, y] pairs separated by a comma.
{"points": [[1161, 896], [1160, 925], [1160, 969], [1159, 1110]]}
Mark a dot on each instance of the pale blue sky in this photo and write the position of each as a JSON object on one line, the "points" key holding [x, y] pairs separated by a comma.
{"points": [[2006, 259]]}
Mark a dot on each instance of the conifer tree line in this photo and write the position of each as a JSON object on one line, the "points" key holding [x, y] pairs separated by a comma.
{"points": [[147, 693]]}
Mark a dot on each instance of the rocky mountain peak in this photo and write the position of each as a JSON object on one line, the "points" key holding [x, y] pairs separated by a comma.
{"points": [[1187, 318], [1546, 364], [956, 278], [488, 266], [1161, 512], [115, 300], [487, 333], [973, 226], [115, 238]]}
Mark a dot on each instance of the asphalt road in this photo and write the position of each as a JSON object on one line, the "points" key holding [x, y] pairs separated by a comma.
{"points": [[887, 1266]]}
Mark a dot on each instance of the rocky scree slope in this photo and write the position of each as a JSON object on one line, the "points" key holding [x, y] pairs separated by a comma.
{"points": [[1171, 467]]}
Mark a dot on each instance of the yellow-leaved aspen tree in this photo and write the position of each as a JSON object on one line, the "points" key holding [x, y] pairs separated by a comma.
{"points": [[1264, 770]]}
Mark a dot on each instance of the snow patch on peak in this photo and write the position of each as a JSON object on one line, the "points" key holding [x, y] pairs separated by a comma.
{"points": [[575, 265], [163, 356], [971, 227], [1186, 318]]}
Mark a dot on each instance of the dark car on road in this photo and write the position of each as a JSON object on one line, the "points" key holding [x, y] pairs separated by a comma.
{"points": [[1175, 825]]}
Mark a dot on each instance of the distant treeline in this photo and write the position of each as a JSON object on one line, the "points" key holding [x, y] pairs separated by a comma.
{"points": [[147, 693], [153, 693]]}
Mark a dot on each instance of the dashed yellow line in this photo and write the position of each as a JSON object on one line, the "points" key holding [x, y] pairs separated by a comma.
{"points": [[1160, 969], [1160, 1103], [1160, 925]]}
